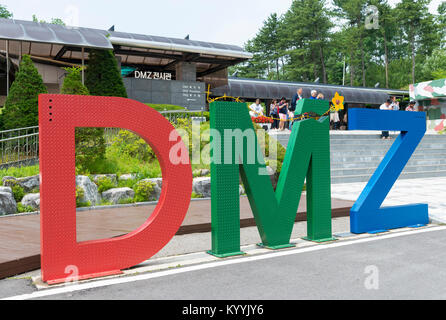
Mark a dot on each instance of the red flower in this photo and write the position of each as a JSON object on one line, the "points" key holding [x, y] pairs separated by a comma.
{"points": [[262, 119]]}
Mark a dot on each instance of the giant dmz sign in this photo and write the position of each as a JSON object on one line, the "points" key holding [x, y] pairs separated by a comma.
{"points": [[307, 157]]}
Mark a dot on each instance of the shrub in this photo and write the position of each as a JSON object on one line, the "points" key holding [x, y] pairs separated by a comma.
{"points": [[196, 195], [143, 190], [132, 145], [17, 190], [23, 209], [89, 142], [104, 184], [127, 201], [21, 106], [102, 76], [126, 183], [79, 197]]}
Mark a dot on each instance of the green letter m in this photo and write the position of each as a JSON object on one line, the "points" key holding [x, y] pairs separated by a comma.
{"points": [[308, 155]]}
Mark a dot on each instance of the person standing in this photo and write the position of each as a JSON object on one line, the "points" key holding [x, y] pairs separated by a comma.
{"points": [[395, 104], [292, 110], [386, 106], [274, 113], [411, 106], [313, 95], [283, 111]]}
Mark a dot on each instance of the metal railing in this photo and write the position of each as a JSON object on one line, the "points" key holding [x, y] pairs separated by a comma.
{"points": [[21, 146]]}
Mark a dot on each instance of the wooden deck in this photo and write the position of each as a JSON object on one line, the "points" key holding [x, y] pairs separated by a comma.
{"points": [[20, 235]]}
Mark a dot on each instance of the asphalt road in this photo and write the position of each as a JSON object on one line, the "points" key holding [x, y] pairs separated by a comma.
{"points": [[410, 266]]}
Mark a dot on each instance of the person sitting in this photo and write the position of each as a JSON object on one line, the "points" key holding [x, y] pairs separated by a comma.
{"points": [[256, 109]]}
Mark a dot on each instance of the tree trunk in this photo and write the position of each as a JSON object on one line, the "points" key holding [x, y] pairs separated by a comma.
{"points": [[352, 68], [386, 58], [324, 71], [413, 60]]}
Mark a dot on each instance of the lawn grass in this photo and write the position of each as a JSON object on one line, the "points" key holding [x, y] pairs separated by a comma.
{"points": [[164, 107]]}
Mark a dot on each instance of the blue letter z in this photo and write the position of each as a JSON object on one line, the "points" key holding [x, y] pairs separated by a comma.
{"points": [[367, 214]]}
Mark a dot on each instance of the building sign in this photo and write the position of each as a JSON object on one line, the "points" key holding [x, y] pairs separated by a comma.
{"points": [[192, 93], [149, 75]]}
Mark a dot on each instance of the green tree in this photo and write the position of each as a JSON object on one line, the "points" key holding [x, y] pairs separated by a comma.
{"points": [[21, 106], [420, 32], [89, 142], [441, 20], [435, 65], [4, 12], [53, 20], [102, 75]]}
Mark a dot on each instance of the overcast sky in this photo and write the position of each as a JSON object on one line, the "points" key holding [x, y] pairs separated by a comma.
{"points": [[222, 21]]}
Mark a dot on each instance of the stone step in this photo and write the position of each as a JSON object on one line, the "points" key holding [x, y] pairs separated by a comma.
{"points": [[404, 175], [339, 158], [381, 152], [343, 172], [377, 136], [375, 164]]}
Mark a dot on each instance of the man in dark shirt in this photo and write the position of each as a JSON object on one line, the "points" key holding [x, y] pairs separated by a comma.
{"points": [[297, 96]]}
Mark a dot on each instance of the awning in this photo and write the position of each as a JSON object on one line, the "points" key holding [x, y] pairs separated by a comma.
{"points": [[262, 89]]}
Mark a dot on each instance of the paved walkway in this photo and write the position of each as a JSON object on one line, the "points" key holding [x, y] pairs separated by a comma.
{"points": [[429, 190]]}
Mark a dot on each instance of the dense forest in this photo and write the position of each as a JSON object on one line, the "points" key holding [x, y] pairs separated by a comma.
{"points": [[357, 42]]}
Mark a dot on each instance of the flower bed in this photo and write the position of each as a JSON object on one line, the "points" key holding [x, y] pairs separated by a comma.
{"points": [[262, 119]]}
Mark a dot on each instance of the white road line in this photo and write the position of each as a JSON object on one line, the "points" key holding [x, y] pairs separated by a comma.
{"points": [[115, 281]]}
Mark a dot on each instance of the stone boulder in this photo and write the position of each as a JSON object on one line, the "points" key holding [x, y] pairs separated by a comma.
{"points": [[241, 190], [130, 176], [32, 200], [112, 177], [6, 189], [118, 194], [7, 204], [202, 187], [91, 193], [28, 183]]}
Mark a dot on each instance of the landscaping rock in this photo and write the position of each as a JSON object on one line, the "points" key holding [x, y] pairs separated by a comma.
{"points": [[91, 193], [9, 181], [30, 183], [6, 189], [112, 177], [116, 195], [7, 204], [32, 200], [126, 177], [202, 187], [241, 190]]}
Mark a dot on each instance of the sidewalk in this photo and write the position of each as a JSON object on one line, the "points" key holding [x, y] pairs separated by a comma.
{"points": [[428, 190]]}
